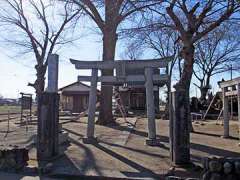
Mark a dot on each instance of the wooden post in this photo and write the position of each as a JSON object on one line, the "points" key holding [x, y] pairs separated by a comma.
{"points": [[238, 99], [150, 105], [92, 106], [225, 114]]}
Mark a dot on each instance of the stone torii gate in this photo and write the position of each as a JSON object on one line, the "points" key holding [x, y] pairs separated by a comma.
{"points": [[121, 78], [230, 88]]}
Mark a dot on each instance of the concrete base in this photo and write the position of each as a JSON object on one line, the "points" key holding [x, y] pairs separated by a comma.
{"points": [[225, 137], [63, 137], [153, 142], [90, 140]]}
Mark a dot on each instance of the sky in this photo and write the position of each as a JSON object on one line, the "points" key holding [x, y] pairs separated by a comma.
{"points": [[16, 71]]}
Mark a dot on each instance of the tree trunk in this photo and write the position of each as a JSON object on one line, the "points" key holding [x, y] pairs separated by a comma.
{"points": [[204, 89], [39, 84], [109, 46], [181, 117], [167, 108]]}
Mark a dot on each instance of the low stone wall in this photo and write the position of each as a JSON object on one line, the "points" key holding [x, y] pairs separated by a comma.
{"points": [[221, 169], [13, 159]]}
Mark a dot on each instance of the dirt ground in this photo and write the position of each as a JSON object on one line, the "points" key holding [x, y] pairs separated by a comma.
{"points": [[121, 151]]}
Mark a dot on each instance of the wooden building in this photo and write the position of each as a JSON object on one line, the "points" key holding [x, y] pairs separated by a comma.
{"points": [[134, 98], [74, 97], [134, 95]]}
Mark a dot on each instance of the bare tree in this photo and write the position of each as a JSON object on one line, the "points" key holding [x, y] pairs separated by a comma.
{"points": [[215, 54], [132, 51], [39, 28], [108, 15], [200, 18], [162, 43]]}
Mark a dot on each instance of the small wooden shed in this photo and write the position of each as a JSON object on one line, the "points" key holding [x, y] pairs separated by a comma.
{"points": [[74, 97]]}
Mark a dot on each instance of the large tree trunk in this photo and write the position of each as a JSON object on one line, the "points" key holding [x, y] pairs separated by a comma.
{"points": [[40, 81], [181, 118], [204, 89], [109, 46]]}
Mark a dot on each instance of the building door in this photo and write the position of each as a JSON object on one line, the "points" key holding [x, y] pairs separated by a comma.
{"points": [[138, 101], [78, 104]]}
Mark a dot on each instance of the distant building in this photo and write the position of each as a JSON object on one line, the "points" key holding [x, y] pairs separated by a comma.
{"points": [[8, 101], [134, 95], [134, 98], [74, 97]]}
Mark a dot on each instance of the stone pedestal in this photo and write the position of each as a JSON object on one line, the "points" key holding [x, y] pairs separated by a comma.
{"points": [[48, 121], [153, 142], [90, 140]]}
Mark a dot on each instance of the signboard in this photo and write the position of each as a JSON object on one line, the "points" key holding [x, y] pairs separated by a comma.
{"points": [[26, 102]]}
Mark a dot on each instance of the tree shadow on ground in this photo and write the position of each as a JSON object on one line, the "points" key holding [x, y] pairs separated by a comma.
{"points": [[142, 171], [73, 132], [195, 146], [213, 135], [213, 151], [65, 168], [135, 150], [89, 161]]}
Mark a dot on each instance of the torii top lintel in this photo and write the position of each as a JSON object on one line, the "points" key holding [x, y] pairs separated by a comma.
{"points": [[130, 64]]}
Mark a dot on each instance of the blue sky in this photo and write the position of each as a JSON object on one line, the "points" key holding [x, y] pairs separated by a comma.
{"points": [[16, 70]]}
